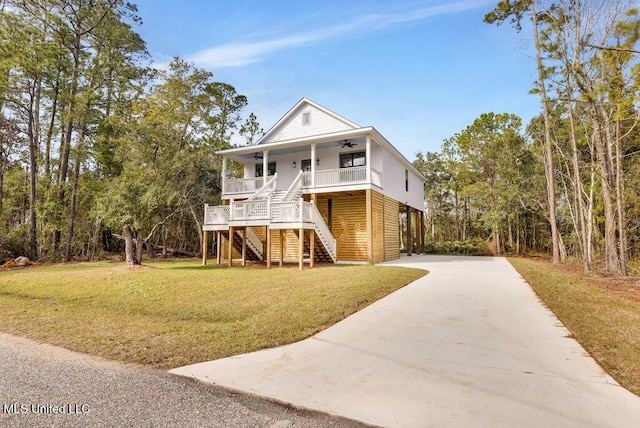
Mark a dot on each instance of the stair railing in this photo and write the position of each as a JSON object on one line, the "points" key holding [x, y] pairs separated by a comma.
{"points": [[322, 230], [268, 188], [255, 243], [293, 190]]}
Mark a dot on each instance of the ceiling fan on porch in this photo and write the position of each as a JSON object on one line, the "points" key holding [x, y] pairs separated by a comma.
{"points": [[258, 156], [349, 144]]}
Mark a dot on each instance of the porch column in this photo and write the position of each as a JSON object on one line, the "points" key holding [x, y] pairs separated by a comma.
{"points": [[218, 247], [300, 248], [313, 165], [367, 155], [244, 246], [422, 232], [369, 220], [268, 245], [418, 234], [312, 239], [265, 166], [282, 244], [204, 247], [224, 173], [409, 246], [230, 245]]}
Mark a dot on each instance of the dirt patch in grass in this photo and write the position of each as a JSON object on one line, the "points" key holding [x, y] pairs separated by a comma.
{"points": [[601, 311], [172, 313]]}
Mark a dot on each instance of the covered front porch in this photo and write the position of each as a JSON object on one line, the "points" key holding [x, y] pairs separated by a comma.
{"points": [[329, 163]]}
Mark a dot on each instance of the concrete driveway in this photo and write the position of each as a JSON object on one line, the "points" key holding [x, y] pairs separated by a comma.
{"points": [[469, 344]]}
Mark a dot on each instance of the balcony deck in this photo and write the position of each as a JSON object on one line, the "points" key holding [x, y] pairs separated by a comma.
{"points": [[322, 181]]}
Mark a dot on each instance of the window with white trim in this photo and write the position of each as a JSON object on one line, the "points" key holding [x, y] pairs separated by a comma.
{"points": [[353, 159], [271, 169]]}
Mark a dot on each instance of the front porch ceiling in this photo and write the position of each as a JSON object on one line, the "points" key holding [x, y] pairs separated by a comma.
{"points": [[248, 154]]}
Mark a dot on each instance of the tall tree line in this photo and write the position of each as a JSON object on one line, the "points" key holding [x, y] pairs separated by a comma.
{"points": [[585, 143], [97, 148]]}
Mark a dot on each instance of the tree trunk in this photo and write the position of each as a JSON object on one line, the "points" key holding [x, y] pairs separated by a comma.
{"points": [[198, 226], [1, 186], [622, 221], [65, 146], [54, 108], [548, 154], [33, 170], [139, 248], [611, 249], [72, 211], [130, 253]]}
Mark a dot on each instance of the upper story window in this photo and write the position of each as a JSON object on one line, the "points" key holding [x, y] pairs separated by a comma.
{"points": [[350, 160], [271, 169], [306, 118]]}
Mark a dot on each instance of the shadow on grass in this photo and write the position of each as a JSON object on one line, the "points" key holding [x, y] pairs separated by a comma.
{"points": [[254, 266]]}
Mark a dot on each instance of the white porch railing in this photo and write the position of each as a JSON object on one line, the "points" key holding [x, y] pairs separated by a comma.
{"points": [[297, 211], [216, 215], [326, 178], [249, 210], [287, 212], [242, 185], [341, 177]]}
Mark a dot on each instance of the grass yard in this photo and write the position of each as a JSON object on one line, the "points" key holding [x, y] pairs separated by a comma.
{"points": [[603, 313], [173, 313]]}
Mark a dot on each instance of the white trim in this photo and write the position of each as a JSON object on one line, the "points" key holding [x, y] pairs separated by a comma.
{"points": [[306, 118], [296, 107], [329, 138]]}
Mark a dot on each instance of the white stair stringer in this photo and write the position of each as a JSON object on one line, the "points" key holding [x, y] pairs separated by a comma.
{"points": [[254, 242], [323, 233]]}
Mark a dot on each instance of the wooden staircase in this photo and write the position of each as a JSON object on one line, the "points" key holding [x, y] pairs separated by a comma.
{"points": [[320, 253], [237, 245]]}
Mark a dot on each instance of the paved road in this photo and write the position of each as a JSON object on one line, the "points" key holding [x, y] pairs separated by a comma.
{"points": [[106, 394], [467, 345]]}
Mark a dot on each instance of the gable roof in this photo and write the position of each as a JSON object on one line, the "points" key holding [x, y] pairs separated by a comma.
{"points": [[320, 120], [336, 128]]}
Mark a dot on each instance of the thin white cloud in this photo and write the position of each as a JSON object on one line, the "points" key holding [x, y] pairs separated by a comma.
{"points": [[242, 53]]}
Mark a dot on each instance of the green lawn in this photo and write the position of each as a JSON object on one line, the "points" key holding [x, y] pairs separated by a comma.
{"points": [[602, 314], [177, 312]]}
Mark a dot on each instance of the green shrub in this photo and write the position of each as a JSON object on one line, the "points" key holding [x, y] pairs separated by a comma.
{"points": [[471, 247]]}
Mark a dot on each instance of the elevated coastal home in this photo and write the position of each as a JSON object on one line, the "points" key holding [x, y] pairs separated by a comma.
{"points": [[316, 187]]}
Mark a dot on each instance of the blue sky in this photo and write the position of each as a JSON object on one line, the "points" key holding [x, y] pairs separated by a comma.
{"points": [[417, 70]]}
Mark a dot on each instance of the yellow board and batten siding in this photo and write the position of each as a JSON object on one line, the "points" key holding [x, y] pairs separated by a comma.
{"points": [[391, 229], [291, 242], [349, 226]]}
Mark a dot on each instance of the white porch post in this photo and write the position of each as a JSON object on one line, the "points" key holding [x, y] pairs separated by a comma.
{"points": [[224, 173], [368, 158], [313, 166], [265, 166]]}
